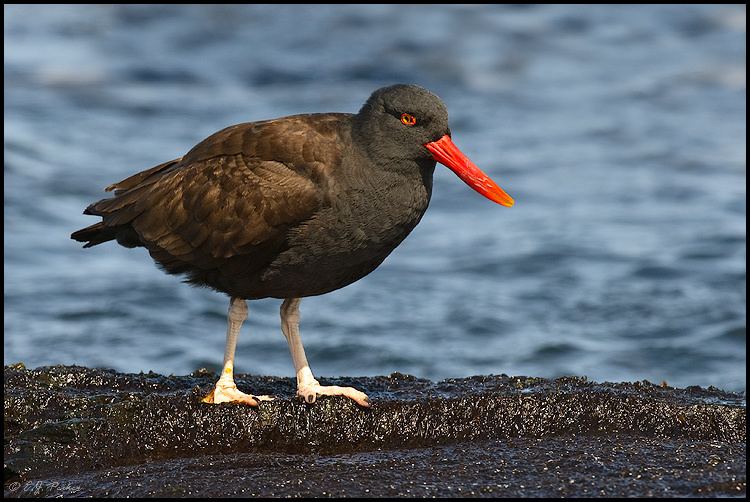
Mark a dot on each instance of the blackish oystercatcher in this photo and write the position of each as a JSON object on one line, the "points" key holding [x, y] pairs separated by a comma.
{"points": [[290, 207]]}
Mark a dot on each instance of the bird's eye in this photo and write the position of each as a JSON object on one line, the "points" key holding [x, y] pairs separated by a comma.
{"points": [[408, 120]]}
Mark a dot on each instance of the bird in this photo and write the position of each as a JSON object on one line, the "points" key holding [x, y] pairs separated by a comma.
{"points": [[289, 208]]}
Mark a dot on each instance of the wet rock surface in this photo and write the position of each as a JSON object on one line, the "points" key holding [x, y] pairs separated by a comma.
{"points": [[78, 431]]}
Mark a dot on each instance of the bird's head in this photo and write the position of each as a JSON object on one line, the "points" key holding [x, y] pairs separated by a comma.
{"points": [[409, 122]]}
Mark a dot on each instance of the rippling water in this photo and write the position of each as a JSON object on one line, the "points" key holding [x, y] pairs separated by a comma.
{"points": [[619, 130]]}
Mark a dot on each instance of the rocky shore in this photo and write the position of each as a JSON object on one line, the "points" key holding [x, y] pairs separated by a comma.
{"points": [[75, 431]]}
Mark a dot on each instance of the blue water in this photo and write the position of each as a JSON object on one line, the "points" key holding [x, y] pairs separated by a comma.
{"points": [[619, 130]]}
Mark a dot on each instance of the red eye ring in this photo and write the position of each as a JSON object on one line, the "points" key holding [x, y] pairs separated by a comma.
{"points": [[408, 120]]}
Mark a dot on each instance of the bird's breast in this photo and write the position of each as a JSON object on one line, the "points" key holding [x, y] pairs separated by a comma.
{"points": [[348, 238]]}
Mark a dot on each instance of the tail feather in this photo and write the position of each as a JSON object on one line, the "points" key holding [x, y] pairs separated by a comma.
{"points": [[119, 211], [99, 233], [94, 234]]}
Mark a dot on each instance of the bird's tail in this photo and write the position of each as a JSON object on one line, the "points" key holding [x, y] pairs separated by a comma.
{"points": [[119, 211], [95, 234]]}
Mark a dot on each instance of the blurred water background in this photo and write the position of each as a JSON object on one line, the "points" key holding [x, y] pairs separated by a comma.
{"points": [[619, 130]]}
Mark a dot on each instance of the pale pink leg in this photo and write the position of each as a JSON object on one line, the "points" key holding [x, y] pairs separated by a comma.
{"points": [[225, 390], [307, 386]]}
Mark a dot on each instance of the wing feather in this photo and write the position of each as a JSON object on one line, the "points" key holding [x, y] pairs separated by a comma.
{"points": [[227, 206]]}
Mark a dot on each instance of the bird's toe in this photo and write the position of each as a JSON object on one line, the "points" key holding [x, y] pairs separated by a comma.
{"points": [[311, 392], [230, 394]]}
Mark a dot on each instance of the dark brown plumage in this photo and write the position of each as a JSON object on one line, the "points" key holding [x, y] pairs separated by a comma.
{"points": [[291, 207]]}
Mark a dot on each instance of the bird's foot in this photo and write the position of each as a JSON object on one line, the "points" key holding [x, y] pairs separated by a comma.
{"points": [[311, 391], [228, 393]]}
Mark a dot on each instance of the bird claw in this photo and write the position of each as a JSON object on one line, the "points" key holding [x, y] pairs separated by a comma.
{"points": [[230, 394], [310, 393]]}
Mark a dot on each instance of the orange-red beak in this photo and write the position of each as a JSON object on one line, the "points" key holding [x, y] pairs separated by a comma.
{"points": [[450, 156]]}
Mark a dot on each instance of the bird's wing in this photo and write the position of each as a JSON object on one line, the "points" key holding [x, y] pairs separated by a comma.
{"points": [[236, 193]]}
